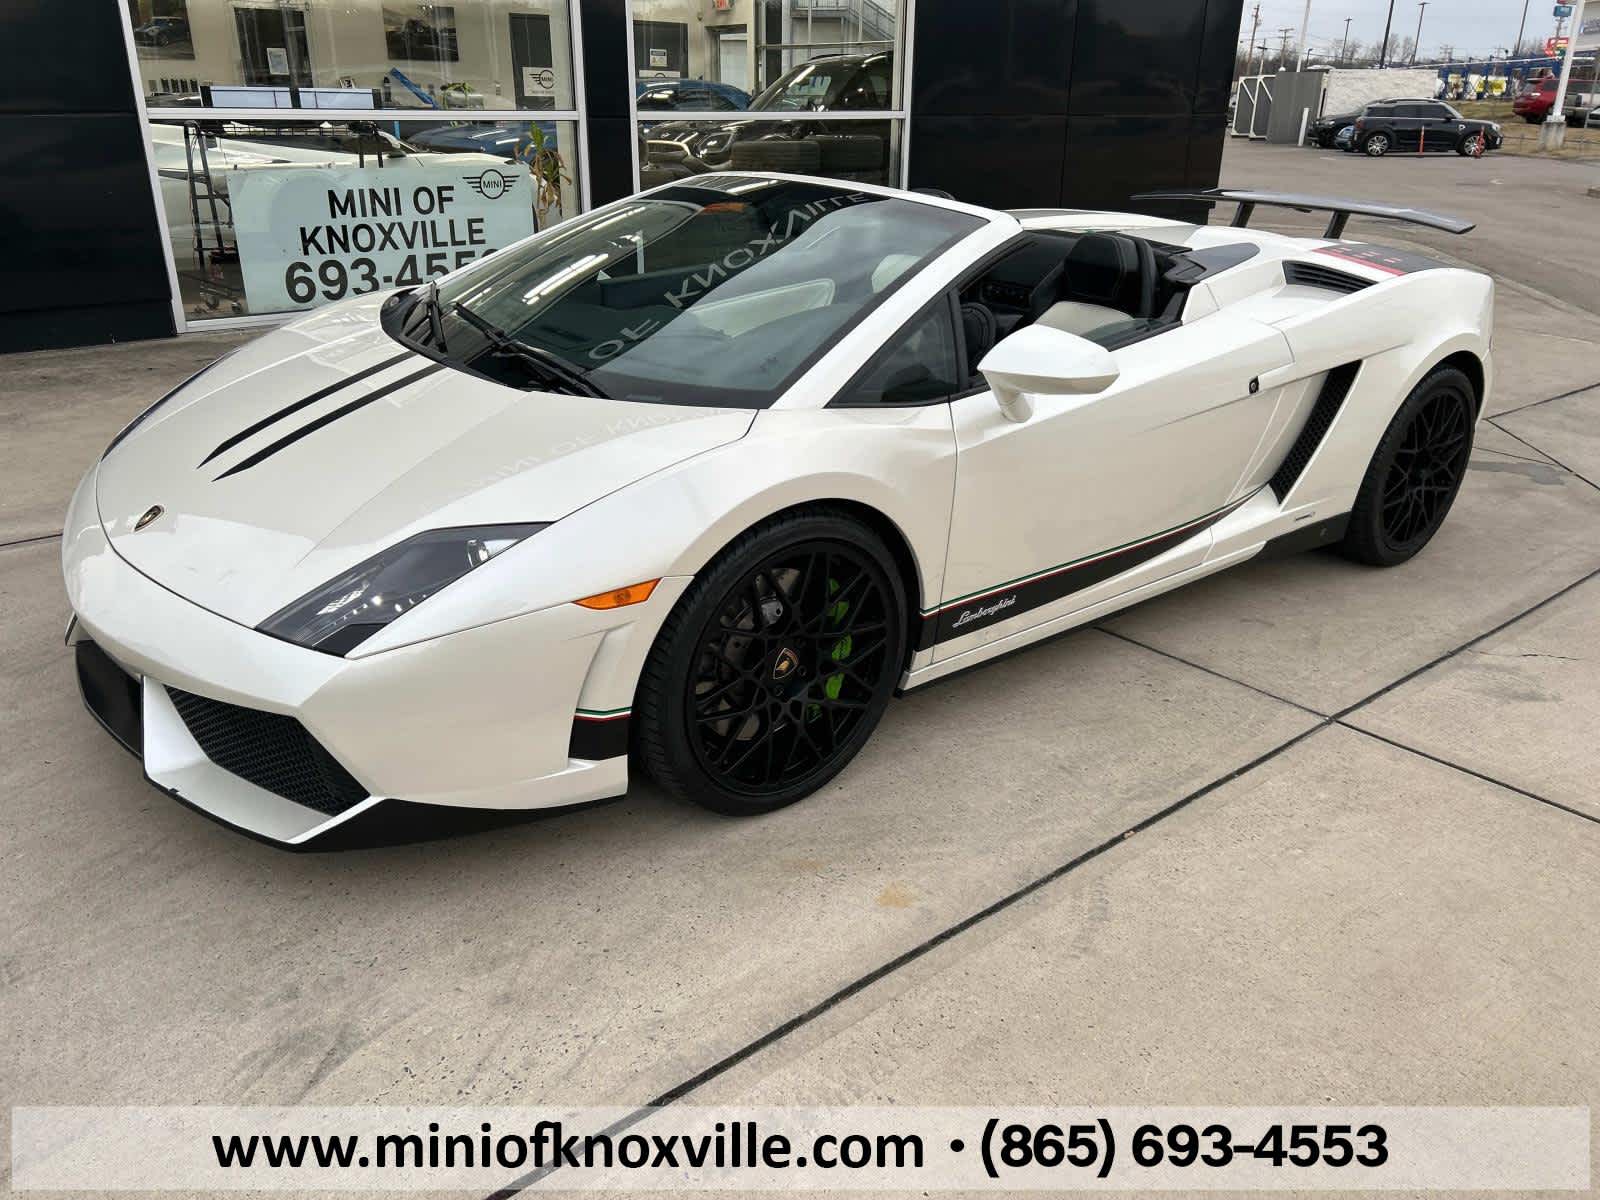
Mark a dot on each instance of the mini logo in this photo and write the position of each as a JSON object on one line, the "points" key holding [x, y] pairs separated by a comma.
{"points": [[149, 514], [491, 185], [784, 665]]}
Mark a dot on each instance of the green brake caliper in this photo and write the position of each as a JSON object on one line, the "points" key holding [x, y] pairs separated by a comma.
{"points": [[833, 684]]}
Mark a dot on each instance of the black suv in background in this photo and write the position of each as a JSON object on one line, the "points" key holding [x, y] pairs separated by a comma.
{"points": [[840, 149], [1325, 128], [1418, 126]]}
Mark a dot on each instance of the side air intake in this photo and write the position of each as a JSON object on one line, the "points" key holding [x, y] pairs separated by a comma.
{"points": [[1312, 275], [1329, 400]]}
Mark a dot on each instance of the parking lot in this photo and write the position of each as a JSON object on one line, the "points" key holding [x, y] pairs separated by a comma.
{"points": [[1305, 832]]}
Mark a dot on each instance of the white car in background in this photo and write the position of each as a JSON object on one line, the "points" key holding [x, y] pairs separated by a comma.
{"points": [[697, 481]]}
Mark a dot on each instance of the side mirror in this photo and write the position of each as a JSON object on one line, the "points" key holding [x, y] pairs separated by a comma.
{"points": [[1046, 362]]}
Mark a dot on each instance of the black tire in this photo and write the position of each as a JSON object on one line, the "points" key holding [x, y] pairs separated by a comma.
{"points": [[1415, 472], [1532, 120], [799, 157], [1375, 145], [1467, 147], [849, 152], [759, 689]]}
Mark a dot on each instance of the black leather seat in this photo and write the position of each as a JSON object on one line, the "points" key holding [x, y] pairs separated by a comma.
{"points": [[978, 328], [1105, 279]]}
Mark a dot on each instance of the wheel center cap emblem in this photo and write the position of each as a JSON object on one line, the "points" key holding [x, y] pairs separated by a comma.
{"points": [[149, 514], [784, 665]]}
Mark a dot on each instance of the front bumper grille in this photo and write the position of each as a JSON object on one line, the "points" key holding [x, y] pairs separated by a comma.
{"points": [[112, 695], [272, 751]]}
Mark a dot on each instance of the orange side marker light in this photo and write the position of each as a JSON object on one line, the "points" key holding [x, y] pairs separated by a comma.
{"points": [[634, 593]]}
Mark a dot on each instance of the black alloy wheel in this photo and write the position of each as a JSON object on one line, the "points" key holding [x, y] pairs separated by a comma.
{"points": [[1416, 472], [775, 666]]}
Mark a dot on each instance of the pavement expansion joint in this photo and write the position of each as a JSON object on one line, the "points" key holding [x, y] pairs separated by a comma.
{"points": [[1495, 421], [1455, 766]]}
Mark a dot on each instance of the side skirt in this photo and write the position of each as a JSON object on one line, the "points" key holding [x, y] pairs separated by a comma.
{"points": [[1315, 535], [1312, 536]]}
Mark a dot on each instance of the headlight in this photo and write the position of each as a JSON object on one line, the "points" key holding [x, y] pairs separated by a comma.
{"points": [[147, 413], [350, 608], [714, 143]]}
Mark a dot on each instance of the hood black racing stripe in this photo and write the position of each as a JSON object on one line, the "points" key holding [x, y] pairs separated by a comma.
{"points": [[291, 409], [328, 419]]}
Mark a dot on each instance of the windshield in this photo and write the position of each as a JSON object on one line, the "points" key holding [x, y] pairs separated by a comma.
{"points": [[806, 87], [717, 293]]}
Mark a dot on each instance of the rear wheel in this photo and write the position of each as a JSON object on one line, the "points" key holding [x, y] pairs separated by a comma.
{"points": [[1415, 473], [1376, 145], [775, 666]]}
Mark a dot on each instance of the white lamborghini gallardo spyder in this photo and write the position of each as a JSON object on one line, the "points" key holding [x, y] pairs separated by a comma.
{"points": [[698, 480]]}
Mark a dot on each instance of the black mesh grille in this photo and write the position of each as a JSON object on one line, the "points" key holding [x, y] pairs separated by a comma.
{"points": [[1312, 275], [1334, 389], [269, 750]]}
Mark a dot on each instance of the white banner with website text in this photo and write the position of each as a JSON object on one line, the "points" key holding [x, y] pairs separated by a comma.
{"points": [[764, 1149]]}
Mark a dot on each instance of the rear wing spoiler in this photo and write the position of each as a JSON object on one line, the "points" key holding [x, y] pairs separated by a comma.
{"points": [[1341, 210]]}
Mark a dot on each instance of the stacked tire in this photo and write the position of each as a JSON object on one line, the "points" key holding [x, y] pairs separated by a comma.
{"points": [[794, 157], [858, 158]]}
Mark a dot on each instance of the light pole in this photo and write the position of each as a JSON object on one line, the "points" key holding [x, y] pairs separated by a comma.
{"points": [[1383, 51], [1305, 21], [1346, 44], [1554, 130], [1416, 47], [1517, 48]]}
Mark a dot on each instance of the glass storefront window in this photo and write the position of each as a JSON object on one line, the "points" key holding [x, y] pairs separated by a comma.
{"points": [[278, 215], [704, 69], [751, 44], [485, 55], [856, 151]]}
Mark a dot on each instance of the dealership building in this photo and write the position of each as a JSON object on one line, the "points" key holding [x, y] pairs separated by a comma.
{"points": [[189, 165]]}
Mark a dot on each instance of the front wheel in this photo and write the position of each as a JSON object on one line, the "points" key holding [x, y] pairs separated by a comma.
{"points": [[1471, 145], [774, 666], [1376, 145], [1415, 473]]}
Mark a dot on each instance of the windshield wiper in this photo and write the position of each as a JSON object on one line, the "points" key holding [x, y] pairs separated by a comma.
{"points": [[550, 367], [428, 301]]}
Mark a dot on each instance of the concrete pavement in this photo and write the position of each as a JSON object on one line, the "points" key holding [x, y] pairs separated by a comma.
{"points": [[1306, 832]]}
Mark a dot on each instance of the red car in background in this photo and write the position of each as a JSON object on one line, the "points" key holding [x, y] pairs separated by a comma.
{"points": [[1534, 101], [1538, 96]]}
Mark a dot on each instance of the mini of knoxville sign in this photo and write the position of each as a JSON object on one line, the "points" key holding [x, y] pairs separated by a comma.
{"points": [[311, 235]]}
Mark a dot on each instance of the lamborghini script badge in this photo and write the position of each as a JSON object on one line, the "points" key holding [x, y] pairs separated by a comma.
{"points": [[149, 514], [783, 666]]}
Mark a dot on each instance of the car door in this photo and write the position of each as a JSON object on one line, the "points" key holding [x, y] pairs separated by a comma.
{"points": [[1441, 130], [1053, 513]]}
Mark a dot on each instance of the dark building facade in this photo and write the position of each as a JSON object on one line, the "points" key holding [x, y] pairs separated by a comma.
{"points": [[125, 119]]}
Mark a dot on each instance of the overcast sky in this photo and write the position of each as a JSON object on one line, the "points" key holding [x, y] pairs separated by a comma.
{"points": [[1475, 27]]}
